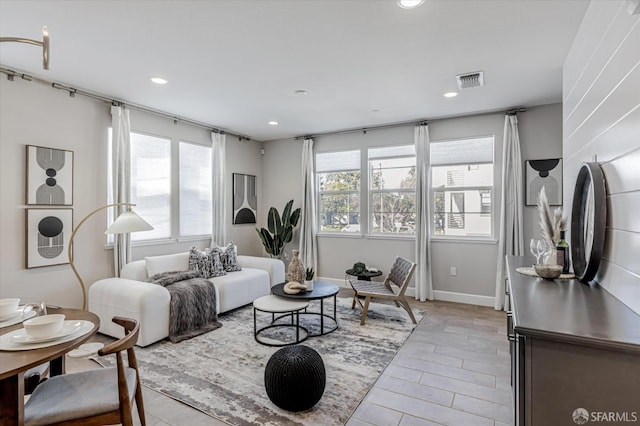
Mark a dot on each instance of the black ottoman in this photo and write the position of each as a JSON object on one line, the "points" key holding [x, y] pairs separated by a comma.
{"points": [[295, 378]]}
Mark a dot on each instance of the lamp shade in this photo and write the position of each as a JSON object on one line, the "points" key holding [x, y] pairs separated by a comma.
{"points": [[127, 222]]}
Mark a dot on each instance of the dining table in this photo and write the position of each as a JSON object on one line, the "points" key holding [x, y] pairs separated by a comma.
{"points": [[15, 361]]}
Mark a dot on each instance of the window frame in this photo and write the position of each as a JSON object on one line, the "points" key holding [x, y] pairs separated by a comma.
{"points": [[371, 191], [462, 189]]}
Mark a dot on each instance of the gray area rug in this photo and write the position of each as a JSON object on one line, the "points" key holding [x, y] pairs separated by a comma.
{"points": [[221, 373]]}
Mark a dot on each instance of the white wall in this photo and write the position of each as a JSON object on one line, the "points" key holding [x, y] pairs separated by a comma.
{"points": [[541, 137], [601, 117], [36, 114]]}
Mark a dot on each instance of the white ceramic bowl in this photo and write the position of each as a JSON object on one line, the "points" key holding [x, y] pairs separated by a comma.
{"points": [[8, 307], [44, 326], [548, 272]]}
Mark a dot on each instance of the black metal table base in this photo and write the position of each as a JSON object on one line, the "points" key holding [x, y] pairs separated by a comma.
{"points": [[295, 325], [322, 316]]}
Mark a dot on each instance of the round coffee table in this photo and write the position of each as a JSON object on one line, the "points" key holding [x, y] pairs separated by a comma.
{"points": [[321, 291], [278, 305]]}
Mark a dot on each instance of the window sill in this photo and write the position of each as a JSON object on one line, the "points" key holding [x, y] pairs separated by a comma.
{"points": [[367, 236], [465, 240]]}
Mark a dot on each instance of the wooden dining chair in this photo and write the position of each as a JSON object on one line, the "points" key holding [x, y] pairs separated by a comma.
{"points": [[95, 397], [399, 275]]}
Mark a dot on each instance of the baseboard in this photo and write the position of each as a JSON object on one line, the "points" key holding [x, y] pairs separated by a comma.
{"points": [[447, 296], [469, 299]]}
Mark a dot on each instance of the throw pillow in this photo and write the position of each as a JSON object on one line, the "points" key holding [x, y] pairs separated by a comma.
{"points": [[206, 262], [171, 262], [229, 257]]}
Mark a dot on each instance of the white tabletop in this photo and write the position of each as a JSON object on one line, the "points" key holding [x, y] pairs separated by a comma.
{"points": [[278, 304]]}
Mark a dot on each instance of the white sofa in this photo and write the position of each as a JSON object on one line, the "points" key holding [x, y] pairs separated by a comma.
{"points": [[132, 297]]}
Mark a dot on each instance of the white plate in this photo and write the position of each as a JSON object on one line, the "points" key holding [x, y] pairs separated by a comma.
{"points": [[16, 319], [11, 316], [68, 328]]}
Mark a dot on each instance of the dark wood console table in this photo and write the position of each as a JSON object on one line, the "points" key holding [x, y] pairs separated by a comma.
{"points": [[573, 346]]}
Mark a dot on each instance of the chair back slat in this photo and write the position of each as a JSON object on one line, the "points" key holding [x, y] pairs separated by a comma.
{"points": [[401, 272]]}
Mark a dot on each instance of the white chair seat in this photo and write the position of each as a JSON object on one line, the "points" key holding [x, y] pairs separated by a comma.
{"points": [[72, 396]]}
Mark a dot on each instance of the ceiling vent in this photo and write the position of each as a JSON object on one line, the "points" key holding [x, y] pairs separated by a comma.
{"points": [[472, 79]]}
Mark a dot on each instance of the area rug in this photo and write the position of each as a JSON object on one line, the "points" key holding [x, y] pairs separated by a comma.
{"points": [[221, 373]]}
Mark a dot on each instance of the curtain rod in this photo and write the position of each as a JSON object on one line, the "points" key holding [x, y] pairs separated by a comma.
{"points": [[73, 91], [511, 111]]}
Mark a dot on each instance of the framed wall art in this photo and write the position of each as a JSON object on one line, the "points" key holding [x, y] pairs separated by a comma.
{"points": [[49, 176], [543, 173], [48, 233], [245, 199]]}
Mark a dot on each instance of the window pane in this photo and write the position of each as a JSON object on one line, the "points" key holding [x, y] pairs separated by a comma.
{"points": [[340, 212], [463, 151], [195, 189], [336, 161], [393, 212], [151, 184], [395, 173], [462, 176], [339, 181], [462, 212], [393, 151]]}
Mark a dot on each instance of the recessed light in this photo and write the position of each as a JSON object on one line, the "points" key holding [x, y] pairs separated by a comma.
{"points": [[409, 4], [273, 123], [375, 110], [158, 80], [450, 94], [300, 92]]}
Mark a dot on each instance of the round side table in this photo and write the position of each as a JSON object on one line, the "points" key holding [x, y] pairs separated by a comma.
{"points": [[278, 305], [365, 276]]}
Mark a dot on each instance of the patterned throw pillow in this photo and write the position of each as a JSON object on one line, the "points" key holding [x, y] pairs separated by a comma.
{"points": [[206, 262], [229, 257]]}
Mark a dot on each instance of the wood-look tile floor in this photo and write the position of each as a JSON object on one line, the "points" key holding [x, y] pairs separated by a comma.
{"points": [[452, 370]]}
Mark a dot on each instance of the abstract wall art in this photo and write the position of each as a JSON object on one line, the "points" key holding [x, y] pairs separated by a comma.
{"points": [[49, 176], [544, 173], [245, 199], [48, 233]]}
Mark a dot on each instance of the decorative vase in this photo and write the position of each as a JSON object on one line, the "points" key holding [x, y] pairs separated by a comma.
{"points": [[295, 272], [308, 284]]}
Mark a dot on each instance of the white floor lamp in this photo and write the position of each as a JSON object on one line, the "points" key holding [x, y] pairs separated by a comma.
{"points": [[126, 223]]}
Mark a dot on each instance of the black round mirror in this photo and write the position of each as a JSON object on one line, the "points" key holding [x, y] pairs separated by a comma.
{"points": [[588, 221]]}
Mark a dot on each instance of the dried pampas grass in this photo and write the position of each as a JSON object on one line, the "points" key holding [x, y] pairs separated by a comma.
{"points": [[550, 224]]}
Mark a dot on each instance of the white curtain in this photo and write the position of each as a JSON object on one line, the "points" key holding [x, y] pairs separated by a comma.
{"points": [[308, 244], [121, 180], [511, 236], [219, 189], [423, 277]]}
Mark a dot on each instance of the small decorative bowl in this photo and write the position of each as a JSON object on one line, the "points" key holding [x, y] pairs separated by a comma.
{"points": [[548, 272], [8, 307], [44, 326]]}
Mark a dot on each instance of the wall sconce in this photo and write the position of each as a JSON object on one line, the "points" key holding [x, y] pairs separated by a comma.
{"points": [[44, 43]]}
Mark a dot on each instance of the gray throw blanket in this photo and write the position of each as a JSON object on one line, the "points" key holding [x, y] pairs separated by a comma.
{"points": [[193, 304]]}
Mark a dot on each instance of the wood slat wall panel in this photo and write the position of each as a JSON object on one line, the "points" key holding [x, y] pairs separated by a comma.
{"points": [[604, 82], [607, 60], [624, 247], [597, 21], [618, 140], [601, 115]]}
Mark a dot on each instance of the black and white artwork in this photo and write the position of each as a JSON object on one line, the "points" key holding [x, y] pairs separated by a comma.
{"points": [[48, 233], [245, 199], [544, 173], [49, 176]]}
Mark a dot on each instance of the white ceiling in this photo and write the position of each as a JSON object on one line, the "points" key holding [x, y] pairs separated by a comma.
{"points": [[236, 64]]}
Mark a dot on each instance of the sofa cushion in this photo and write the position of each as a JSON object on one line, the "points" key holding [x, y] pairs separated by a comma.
{"points": [[168, 263], [240, 288], [229, 257], [207, 262]]}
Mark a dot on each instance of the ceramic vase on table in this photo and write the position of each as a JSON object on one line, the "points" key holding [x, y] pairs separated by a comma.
{"points": [[295, 272], [308, 284]]}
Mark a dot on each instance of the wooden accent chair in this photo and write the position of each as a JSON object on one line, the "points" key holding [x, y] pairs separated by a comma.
{"points": [[399, 275], [95, 397]]}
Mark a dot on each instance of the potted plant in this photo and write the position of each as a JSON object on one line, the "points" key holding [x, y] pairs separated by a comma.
{"points": [[279, 229], [308, 279]]}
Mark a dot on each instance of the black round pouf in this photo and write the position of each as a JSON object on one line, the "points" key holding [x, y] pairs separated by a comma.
{"points": [[295, 378]]}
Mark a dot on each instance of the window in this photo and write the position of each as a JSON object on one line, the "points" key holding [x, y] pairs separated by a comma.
{"points": [[462, 187], [338, 183], [392, 190], [195, 189]]}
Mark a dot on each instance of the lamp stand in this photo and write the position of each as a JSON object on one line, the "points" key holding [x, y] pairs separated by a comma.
{"points": [[70, 250]]}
